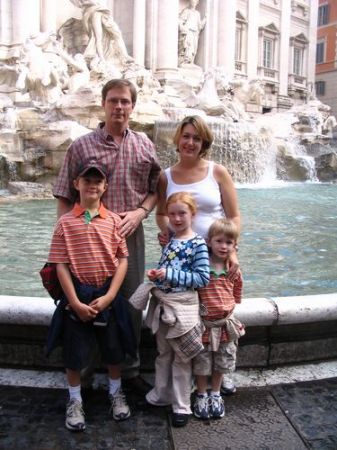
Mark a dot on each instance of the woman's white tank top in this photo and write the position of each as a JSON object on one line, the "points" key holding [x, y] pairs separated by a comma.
{"points": [[207, 195]]}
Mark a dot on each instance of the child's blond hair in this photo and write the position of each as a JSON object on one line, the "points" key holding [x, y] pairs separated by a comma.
{"points": [[182, 197], [224, 226]]}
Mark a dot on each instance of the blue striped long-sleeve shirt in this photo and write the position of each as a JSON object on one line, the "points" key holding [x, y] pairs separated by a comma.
{"points": [[187, 264]]}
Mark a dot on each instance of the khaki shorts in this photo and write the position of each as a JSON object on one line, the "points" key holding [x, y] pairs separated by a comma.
{"points": [[222, 361]]}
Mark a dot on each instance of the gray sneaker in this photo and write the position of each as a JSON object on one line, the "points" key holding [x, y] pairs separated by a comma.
{"points": [[119, 408], [75, 416], [227, 387]]}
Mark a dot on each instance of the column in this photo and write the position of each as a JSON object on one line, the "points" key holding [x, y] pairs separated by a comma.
{"points": [[5, 22], [226, 35], [167, 51], [253, 38], [151, 34], [110, 5], [25, 19], [205, 49], [284, 48], [48, 15], [312, 31], [139, 15]]}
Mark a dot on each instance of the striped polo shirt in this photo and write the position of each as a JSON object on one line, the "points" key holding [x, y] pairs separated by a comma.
{"points": [[91, 248], [218, 299], [133, 168]]}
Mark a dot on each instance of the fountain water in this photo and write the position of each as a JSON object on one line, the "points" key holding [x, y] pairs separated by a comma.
{"points": [[248, 153]]}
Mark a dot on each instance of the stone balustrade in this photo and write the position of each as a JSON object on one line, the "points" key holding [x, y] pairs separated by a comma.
{"points": [[252, 311], [279, 330]]}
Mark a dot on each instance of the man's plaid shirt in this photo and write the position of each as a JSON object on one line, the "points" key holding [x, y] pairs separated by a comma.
{"points": [[132, 167]]}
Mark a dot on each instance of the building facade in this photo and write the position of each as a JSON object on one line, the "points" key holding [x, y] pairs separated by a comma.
{"points": [[326, 54], [270, 40]]}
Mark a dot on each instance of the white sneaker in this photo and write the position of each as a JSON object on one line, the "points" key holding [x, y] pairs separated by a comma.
{"points": [[75, 416], [119, 408], [227, 387]]}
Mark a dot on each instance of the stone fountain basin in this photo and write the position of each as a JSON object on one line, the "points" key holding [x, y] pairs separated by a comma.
{"points": [[279, 331]]}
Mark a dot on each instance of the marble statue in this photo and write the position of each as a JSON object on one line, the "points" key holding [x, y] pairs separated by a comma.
{"points": [[9, 118], [79, 74], [248, 90], [42, 72], [106, 43], [190, 26]]}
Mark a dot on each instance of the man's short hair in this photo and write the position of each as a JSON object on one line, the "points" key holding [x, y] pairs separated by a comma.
{"points": [[118, 83]]}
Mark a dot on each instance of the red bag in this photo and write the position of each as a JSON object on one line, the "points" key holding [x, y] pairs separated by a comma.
{"points": [[50, 281]]}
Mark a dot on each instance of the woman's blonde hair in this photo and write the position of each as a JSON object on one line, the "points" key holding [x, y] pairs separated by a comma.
{"points": [[182, 197], [223, 226], [203, 131]]}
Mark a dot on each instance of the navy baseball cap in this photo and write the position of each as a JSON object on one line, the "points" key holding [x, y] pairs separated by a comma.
{"points": [[92, 165]]}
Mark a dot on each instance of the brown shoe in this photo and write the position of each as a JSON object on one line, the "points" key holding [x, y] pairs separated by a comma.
{"points": [[137, 385]]}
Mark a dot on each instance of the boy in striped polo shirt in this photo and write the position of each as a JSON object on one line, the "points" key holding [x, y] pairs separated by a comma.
{"points": [[217, 303], [91, 259]]}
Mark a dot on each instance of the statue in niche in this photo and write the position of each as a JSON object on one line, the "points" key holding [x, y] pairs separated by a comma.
{"points": [[190, 26], [106, 43]]}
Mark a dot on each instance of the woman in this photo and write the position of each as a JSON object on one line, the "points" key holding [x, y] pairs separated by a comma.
{"points": [[210, 184]]}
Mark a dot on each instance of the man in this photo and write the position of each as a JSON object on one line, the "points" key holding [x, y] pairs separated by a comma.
{"points": [[131, 192]]}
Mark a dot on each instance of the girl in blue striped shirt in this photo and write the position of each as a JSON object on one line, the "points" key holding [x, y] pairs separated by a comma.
{"points": [[183, 267]]}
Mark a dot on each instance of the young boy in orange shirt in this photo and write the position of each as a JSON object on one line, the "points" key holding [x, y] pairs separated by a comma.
{"points": [[91, 260], [217, 303]]}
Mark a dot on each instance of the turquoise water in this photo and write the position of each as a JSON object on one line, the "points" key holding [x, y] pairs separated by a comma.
{"points": [[288, 244]]}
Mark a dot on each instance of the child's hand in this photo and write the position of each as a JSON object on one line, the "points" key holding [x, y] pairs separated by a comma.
{"points": [[161, 274], [85, 312], [152, 274], [100, 303], [156, 274]]}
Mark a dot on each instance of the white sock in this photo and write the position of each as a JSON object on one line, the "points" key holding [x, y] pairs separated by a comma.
{"points": [[114, 385], [215, 393], [204, 394], [75, 393]]}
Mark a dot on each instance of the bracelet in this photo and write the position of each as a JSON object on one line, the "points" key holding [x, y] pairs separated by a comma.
{"points": [[147, 211]]}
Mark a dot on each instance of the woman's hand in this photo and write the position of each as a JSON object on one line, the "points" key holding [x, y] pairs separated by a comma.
{"points": [[234, 267], [163, 238]]}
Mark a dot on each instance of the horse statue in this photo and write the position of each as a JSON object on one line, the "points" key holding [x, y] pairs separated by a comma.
{"points": [[207, 98]]}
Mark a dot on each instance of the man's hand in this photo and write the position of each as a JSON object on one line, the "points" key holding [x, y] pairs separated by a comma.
{"points": [[131, 221]]}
